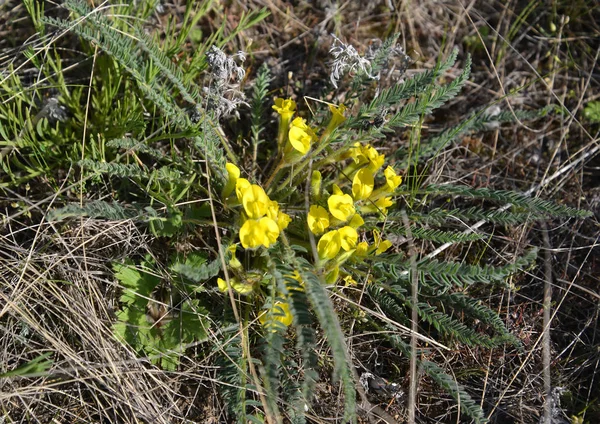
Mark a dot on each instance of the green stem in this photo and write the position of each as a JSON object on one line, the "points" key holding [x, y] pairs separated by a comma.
{"points": [[278, 168]]}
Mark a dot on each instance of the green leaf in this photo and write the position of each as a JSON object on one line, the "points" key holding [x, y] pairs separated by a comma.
{"points": [[592, 111], [196, 269], [167, 226], [137, 284], [191, 325], [36, 366]]}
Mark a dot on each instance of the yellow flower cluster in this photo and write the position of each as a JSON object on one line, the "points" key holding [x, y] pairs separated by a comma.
{"points": [[300, 136], [262, 219], [344, 210], [366, 163]]}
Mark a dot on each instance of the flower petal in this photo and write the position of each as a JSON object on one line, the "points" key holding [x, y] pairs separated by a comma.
{"points": [[348, 237], [329, 245], [255, 201], [392, 180], [341, 206], [362, 184], [318, 219]]}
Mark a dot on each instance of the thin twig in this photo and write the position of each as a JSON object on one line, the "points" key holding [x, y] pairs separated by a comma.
{"points": [[546, 334], [412, 394]]}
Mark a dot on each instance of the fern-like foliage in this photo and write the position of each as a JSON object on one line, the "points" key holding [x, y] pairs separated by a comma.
{"points": [[189, 91], [531, 204], [257, 105], [154, 72], [467, 405], [447, 274], [113, 169], [474, 309], [233, 372], [480, 121], [432, 234], [438, 305], [380, 58], [196, 268], [410, 88], [447, 325], [299, 395], [319, 299], [132, 145], [430, 100], [273, 350], [113, 211], [439, 216]]}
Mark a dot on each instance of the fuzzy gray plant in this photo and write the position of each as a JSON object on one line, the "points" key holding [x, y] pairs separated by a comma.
{"points": [[347, 59], [224, 95]]}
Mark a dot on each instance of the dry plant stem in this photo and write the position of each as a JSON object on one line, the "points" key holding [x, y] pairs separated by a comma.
{"points": [[243, 334], [81, 177], [311, 237], [412, 394], [278, 168], [546, 335]]}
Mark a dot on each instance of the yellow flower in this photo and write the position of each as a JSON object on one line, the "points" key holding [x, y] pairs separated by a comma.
{"points": [[348, 237], [272, 209], [362, 184], [318, 219], [285, 107], [367, 155], [234, 262], [375, 159], [356, 221], [240, 187], [273, 212], [384, 203], [259, 232], [222, 284], [337, 190], [255, 201], [300, 136], [283, 220], [239, 287], [233, 173], [281, 313], [392, 180], [349, 281], [341, 206], [383, 246], [337, 117], [329, 245], [362, 248], [380, 205]]}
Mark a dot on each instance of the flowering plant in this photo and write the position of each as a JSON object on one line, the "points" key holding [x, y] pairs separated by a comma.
{"points": [[334, 219], [327, 213]]}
